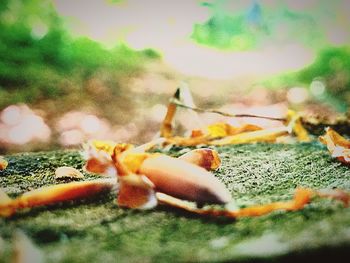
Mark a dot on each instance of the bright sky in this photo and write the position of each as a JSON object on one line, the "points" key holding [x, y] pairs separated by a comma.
{"points": [[155, 24], [166, 26]]}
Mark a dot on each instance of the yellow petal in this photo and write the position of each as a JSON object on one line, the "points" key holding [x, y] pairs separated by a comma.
{"points": [[266, 135], [106, 146], [133, 161], [221, 129], [191, 141], [297, 126], [218, 130]]}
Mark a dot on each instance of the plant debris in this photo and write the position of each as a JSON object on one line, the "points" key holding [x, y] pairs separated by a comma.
{"points": [[338, 146], [224, 133], [3, 163]]}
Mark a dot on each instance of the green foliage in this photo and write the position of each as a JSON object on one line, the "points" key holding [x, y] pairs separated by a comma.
{"points": [[330, 63], [332, 67], [227, 31], [37, 56], [257, 25]]}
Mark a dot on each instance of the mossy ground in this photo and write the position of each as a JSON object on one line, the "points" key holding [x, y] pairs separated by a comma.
{"points": [[96, 230]]}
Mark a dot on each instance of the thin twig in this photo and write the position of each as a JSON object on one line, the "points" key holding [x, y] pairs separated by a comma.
{"points": [[178, 103]]}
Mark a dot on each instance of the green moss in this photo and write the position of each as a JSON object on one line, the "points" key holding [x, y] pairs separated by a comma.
{"points": [[97, 230]]}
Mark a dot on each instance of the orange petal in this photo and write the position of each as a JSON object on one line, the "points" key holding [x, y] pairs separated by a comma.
{"points": [[196, 133], [301, 198], [337, 145], [57, 193], [94, 165], [204, 157], [98, 156], [3, 163], [136, 191]]}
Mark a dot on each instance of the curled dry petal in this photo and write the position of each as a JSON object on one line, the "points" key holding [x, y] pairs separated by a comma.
{"points": [[3, 163], [184, 180], [136, 191], [301, 198], [295, 121], [98, 157], [56, 193], [68, 172], [204, 157], [338, 146]]}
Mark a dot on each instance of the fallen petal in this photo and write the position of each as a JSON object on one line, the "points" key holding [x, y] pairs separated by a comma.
{"points": [[221, 129], [3, 163], [337, 145], [98, 157], [301, 198], [184, 180], [57, 193], [266, 135], [204, 157], [136, 191], [295, 121]]}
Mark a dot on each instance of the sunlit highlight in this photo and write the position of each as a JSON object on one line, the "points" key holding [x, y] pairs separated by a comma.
{"points": [[21, 125]]}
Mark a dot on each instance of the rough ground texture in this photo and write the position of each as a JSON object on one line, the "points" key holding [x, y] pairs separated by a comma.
{"points": [[96, 230]]}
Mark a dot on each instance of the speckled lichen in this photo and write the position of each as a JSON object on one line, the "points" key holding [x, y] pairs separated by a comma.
{"points": [[96, 230]]}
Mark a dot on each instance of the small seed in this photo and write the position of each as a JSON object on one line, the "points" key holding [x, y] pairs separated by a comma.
{"points": [[67, 172]]}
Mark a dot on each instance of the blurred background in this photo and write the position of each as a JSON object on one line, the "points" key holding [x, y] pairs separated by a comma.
{"points": [[75, 70]]}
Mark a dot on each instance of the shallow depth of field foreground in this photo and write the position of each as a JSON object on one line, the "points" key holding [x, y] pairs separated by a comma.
{"points": [[97, 230]]}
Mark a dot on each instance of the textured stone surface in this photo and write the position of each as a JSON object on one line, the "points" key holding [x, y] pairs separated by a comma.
{"points": [[96, 230]]}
